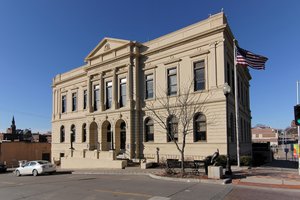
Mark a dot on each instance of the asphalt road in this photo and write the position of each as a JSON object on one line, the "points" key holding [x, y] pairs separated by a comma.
{"points": [[123, 187]]}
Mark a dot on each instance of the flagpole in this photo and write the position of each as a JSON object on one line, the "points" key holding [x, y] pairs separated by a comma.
{"points": [[298, 128], [236, 103]]}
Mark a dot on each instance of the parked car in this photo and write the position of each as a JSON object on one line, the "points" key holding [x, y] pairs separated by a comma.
{"points": [[3, 167], [35, 168]]}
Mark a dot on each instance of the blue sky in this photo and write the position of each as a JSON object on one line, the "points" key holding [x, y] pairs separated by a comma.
{"points": [[42, 38]]}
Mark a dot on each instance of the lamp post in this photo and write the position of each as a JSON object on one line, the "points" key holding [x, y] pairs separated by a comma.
{"points": [[226, 90], [71, 141]]}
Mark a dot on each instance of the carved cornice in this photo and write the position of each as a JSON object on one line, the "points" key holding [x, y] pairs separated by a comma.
{"points": [[172, 60], [199, 53]]}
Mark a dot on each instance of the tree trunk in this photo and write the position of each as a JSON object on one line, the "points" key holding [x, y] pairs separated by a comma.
{"points": [[182, 163]]}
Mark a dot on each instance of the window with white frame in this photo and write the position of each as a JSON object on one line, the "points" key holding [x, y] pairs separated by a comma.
{"points": [[172, 81], [62, 134], [84, 99], [172, 123], [149, 86], [123, 92], [108, 95], [199, 127], [149, 130], [63, 103], [96, 97], [199, 76], [84, 132], [74, 101]]}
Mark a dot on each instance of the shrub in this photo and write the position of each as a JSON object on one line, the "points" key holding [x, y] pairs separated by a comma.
{"points": [[221, 161], [246, 161]]}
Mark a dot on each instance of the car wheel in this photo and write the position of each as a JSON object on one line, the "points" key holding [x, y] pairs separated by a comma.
{"points": [[18, 173], [35, 172]]}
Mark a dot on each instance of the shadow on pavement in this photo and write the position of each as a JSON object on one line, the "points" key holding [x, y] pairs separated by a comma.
{"points": [[62, 172], [283, 164]]}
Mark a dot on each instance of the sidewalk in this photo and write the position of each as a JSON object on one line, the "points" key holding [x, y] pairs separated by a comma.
{"points": [[278, 174], [275, 175]]}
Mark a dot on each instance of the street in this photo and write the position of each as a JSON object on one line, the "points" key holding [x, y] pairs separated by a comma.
{"points": [[133, 187]]}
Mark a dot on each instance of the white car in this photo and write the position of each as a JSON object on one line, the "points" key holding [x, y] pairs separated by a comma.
{"points": [[35, 168]]}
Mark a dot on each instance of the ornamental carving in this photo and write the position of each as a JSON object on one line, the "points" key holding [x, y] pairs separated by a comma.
{"points": [[107, 47]]}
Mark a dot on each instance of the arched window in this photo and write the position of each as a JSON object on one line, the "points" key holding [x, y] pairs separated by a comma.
{"points": [[172, 123], [149, 130], [73, 133], [123, 135], [108, 133], [62, 134], [84, 132], [199, 127]]}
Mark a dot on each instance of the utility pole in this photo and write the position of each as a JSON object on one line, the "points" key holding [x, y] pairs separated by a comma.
{"points": [[298, 127]]}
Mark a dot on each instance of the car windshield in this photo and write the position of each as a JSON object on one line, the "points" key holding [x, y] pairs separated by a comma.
{"points": [[41, 162]]}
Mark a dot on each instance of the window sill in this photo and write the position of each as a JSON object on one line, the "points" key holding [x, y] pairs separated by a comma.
{"points": [[200, 141]]}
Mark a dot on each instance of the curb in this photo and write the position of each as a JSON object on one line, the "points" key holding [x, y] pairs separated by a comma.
{"points": [[191, 180], [266, 185]]}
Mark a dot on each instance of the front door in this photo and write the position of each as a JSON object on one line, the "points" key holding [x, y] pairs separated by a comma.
{"points": [[123, 136]]}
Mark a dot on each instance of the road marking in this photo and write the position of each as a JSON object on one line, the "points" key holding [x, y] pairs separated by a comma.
{"points": [[159, 198], [124, 193], [10, 183]]}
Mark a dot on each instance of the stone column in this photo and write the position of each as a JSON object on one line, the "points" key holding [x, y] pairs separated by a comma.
{"points": [[53, 103], [114, 90], [129, 85], [89, 94], [59, 102], [101, 92], [220, 62], [212, 67]]}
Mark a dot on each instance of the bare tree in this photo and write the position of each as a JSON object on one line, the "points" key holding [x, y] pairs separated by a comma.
{"points": [[171, 111]]}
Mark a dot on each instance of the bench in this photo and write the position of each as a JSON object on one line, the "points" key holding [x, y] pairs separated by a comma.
{"points": [[195, 165]]}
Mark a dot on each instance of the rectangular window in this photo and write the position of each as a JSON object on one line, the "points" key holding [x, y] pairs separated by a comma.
{"points": [[149, 86], [172, 81], [108, 95], [228, 80], [84, 99], [96, 97], [63, 104], [199, 77], [122, 92], [74, 101]]}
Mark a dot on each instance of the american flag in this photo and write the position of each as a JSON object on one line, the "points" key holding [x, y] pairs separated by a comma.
{"points": [[247, 58]]}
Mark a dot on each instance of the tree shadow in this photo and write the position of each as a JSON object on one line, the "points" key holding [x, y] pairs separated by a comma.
{"points": [[287, 164]]}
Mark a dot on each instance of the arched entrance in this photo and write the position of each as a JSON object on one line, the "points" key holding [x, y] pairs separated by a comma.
{"points": [[120, 136], [93, 136], [107, 136], [123, 136]]}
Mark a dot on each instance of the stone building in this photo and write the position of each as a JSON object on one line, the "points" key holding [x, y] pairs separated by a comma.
{"points": [[102, 105]]}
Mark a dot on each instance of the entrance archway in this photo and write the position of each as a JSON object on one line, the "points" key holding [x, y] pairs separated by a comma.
{"points": [[107, 136], [93, 136], [120, 134]]}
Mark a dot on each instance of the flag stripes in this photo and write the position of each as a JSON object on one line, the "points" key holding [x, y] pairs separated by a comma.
{"points": [[247, 58]]}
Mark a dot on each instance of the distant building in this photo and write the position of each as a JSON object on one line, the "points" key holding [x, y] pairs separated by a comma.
{"points": [[263, 134], [12, 152], [18, 135]]}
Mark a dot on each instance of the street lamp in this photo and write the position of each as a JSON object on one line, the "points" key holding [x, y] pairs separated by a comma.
{"points": [[226, 90]]}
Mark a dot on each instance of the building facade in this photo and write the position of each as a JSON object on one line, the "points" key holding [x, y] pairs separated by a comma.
{"points": [[13, 152], [265, 135], [104, 104]]}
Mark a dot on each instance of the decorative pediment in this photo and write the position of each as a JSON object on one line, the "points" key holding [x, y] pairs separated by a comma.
{"points": [[106, 45]]}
